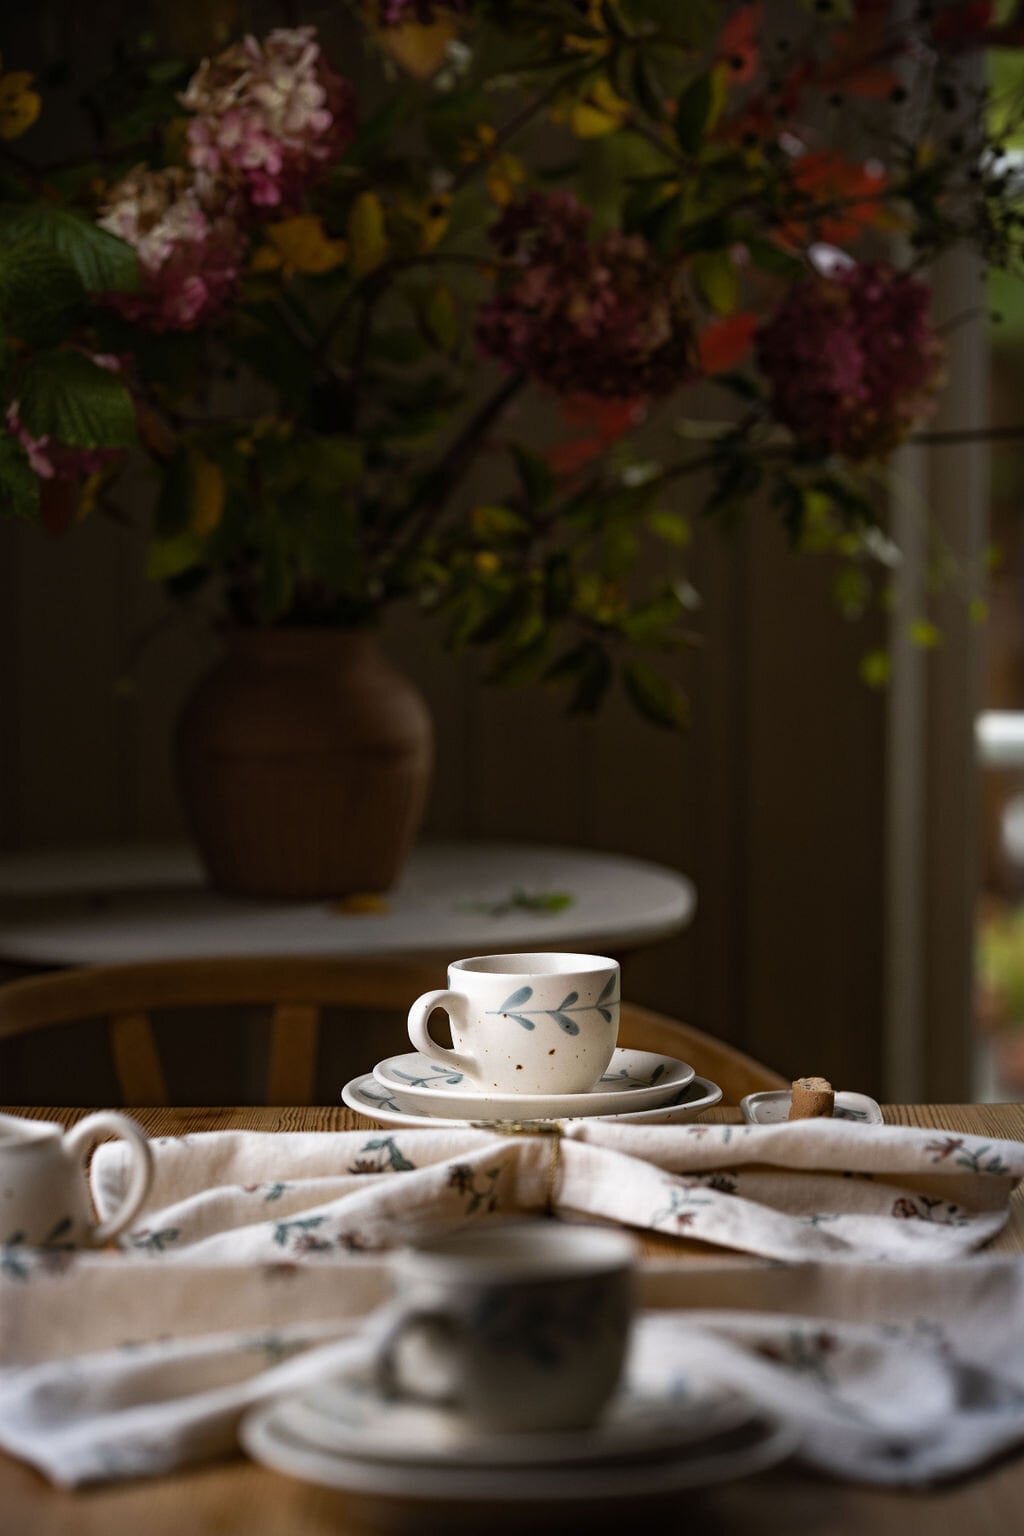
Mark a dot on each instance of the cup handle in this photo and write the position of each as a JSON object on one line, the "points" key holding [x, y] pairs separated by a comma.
{"points": [[389, 1378], [82, 1136], [419, 1015]]}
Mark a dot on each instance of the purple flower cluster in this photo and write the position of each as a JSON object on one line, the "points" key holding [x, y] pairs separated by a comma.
{"points": [[853, 359], [600, 317]]}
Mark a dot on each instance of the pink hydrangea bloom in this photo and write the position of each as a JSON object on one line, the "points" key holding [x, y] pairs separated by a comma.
{"points": [[603, 318], [190, 255], [270, 116], [853, 359]]}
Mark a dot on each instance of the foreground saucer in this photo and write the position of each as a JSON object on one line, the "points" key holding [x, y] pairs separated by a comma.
{"points": [[369, 1097], [772, 1108], [634, 1080], [758, 1443], [348, 1416]]}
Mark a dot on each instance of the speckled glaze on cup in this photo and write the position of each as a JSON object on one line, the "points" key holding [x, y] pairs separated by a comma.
{"points": [[526, 1023]]}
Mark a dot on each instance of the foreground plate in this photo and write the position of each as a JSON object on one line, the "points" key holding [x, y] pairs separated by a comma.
{"points": [[772, 1108], [758, 1443], [634, 1080], [369, 1097]]}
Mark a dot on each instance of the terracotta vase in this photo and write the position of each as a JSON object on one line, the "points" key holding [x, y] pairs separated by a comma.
{"points": [[304, 760]]}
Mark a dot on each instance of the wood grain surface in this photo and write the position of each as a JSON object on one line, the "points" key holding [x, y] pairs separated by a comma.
{"points": [[237, 1498]]}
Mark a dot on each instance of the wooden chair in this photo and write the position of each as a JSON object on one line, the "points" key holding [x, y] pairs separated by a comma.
{"points": [[296, 989], [735, 1072]]}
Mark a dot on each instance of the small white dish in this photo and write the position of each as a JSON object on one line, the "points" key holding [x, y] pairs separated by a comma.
{"points": [[772, 1108], [370, 1097], [633, 1080], [760, 1442]]}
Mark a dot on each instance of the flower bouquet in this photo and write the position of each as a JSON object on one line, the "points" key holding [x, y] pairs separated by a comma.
{"points": [[318, 300]]}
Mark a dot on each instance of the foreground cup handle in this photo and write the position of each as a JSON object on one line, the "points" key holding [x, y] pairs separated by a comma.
{"points": [[453, 1004], [107, 1123], [434, 1326]]}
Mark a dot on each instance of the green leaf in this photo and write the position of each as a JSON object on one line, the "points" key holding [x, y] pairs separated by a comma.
{"points": [[19, 484], [645, 88], [40, 292], [693, 113], [925, 635], [104, 263], [876, 668], [852, 591], [717, 281], [589, 668], [172, 555], [535, 476], [656, 697], [441, 319], [672, 527], [691, 22], [65, 395]]}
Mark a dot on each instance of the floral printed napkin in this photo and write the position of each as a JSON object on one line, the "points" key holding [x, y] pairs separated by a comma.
{"points": [[816, 1189], [856, 1310]]}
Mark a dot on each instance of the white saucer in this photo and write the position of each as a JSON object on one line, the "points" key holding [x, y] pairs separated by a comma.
{"points": [[759, 1442], [634, 1080], [369, 1097], [348, 1416], [772, 1108]]}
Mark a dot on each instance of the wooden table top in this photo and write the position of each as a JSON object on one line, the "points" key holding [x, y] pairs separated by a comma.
{"points": [[240, 1497]]}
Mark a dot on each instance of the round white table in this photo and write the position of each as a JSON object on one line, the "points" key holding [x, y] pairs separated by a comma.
{"points": [[93, 906]]}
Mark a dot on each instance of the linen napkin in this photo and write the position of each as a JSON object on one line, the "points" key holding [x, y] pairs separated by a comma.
{"points": [[254, 1268], [820, 1189]]}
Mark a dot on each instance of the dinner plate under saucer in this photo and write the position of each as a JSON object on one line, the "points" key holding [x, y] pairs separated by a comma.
{"points": [[633, 1080], [757, 1443], [348, 1416], [369, 1097]]}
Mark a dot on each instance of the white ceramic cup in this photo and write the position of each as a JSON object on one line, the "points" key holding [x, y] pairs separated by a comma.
{"points": [[537, 1023], [516, 1326], [44, 1197]]}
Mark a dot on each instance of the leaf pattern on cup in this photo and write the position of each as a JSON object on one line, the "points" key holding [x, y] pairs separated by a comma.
{"points": [[513, 1008]]}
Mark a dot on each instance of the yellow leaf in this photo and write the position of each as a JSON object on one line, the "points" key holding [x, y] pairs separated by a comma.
{"points": [[366, 232], [418, 49], [433, 220], [487, 562], [88, 495], [304, 245], [362, 903], [265, 259], [504, 174], [207, 496], [601, 111], [19, 104]]}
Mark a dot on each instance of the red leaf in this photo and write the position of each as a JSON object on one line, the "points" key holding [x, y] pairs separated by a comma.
{"points": [[724, 344], [737, 46]]}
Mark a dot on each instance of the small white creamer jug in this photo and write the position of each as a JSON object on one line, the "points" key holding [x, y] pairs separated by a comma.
{"points": [[44, 1197]]}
